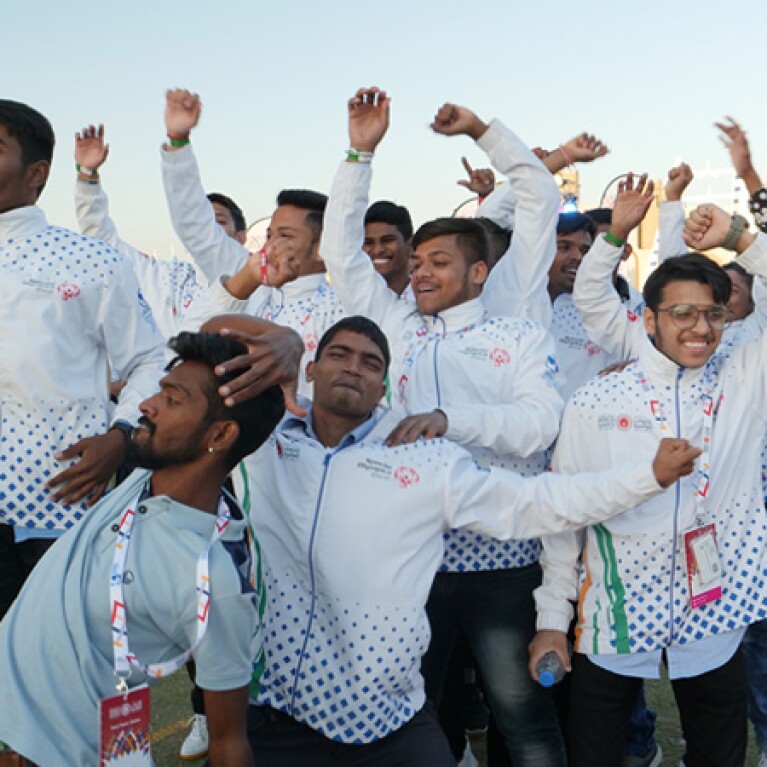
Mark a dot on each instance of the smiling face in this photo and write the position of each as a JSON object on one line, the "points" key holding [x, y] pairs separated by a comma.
{"points": [[388, 251], [173, 423], [571, 248], [348, 376], [441, 277], [688, 347]]}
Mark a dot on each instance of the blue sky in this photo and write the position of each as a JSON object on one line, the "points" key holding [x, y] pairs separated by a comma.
{"points": [[649, 78]]}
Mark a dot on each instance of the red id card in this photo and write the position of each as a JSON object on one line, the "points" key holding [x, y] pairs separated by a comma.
{"points": [[124, 729]]}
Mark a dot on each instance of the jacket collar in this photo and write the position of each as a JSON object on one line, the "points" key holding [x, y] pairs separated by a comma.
{"points": [[302, 287], [457, 317], [660, 369], [21, 222]]}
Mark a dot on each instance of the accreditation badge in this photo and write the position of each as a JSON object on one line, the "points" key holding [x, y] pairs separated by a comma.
{"points": [[124, 729], [704, 569]]}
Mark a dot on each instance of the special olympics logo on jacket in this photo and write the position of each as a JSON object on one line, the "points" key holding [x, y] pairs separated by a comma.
{"points": [[500, 357], [67, 290], [406, 477]]}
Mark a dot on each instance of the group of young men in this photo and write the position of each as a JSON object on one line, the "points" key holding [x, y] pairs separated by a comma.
{"points": [[381, 405]]}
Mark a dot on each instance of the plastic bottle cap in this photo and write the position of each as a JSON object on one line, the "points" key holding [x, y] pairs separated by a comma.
{"points": [[546, 678]]}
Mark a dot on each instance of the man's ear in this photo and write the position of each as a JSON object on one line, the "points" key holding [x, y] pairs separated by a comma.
{"points": [[222, 435], [478, 273], [649, 321], [310, 371], [36, 175]]}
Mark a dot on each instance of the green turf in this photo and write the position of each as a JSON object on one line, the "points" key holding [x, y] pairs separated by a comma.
{"points": [[171, 711]]}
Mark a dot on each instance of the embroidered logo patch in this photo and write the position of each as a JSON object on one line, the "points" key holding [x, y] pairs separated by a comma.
{"points": [[624, 422], [500, 357], [592, 349], [68, 290], [406, 477]]}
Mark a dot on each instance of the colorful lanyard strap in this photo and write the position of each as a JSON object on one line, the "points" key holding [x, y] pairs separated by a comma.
{"points": [[124, 660], [709, 409]]}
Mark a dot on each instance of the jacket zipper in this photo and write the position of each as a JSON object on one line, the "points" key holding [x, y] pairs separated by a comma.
{"points": [[312, 581], [677, 500]]}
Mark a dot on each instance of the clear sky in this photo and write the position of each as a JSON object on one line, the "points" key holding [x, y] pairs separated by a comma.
{"points": [[649, 78]]}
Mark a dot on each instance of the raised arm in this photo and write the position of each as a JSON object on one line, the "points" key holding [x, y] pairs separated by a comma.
{"points": [[190, 210], [671, 213], [604, 316], [529, 204], [354, 278]]}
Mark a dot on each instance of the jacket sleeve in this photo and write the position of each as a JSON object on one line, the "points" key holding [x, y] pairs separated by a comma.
{"points": [[215, 300], [358, 286], [505, 505], [670, 230], [517, 286], [604, 316], [132, 340], [214, 252], [752, 358], [526, 417]]}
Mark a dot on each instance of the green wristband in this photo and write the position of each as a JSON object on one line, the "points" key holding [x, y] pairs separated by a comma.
{"points": [[178, 142], [613, 240]]}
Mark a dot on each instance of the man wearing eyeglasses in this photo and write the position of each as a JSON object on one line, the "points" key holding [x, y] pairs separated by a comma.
{"points": [[675, 581]]}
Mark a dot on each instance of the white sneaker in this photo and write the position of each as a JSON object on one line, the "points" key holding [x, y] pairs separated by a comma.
{"points": [[196, 744], [468, 759]]}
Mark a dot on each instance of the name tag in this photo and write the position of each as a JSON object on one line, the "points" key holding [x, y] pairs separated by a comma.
{"points": [[124, 729]]}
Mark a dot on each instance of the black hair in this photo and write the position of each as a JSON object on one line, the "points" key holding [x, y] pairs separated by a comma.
{"points": [[314, 203], [736, 267], [471, 237], [569, 223], [692, 267], [31, 129], [362, 326], [237, 215], [498, 238], [386, 212], [600, 216], [256, 417]]}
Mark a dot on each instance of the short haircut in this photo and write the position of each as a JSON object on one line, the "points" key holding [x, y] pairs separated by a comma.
{"points": [[601, 216], [31, 129], [386, 212], [362, 326], [313, 203], [470, 236], [692, 267], [498, 238], [237, 215], [734, 266], [256, 417], [569, 223]]}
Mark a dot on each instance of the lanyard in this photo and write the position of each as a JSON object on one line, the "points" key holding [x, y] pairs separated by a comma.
{"points": [[123, 658], [709, 411], [421, 340]]}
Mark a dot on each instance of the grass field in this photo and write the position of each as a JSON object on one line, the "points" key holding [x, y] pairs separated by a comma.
{"points": [[171, 711]]}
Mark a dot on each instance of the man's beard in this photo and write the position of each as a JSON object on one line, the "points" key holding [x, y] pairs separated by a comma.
{"points": [[143, 455]]}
